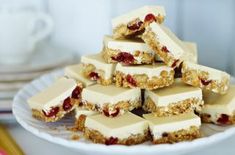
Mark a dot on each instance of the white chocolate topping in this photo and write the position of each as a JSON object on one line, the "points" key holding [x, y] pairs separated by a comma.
{"points": [[80, 111], [121, 127], [98, 61], [138, 13]]}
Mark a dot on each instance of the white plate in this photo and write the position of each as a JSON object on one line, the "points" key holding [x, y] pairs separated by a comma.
{"points": [[46, 57], [58, 133]]}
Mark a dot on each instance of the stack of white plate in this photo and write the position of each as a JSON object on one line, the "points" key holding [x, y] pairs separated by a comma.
{"points": [[45, 59]]}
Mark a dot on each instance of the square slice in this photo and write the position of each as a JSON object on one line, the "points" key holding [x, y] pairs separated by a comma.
{"points": [[172, 129], [127, 51], [80, 117], [144, 76], [173, 100], [96, 69], [52, 103], [205, 77], [128, 129], [219, 109], [165, 44], [133, 22], [76, 72], [111, 100]]}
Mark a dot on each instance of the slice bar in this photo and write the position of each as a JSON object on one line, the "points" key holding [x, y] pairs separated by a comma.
{"points": [[173, 100], [127, 129], [144, 76], [219, 109], [134, 22], [205, 77], [96, 69], [173, 129], [127, 51], [52, 103], [110, 100]]}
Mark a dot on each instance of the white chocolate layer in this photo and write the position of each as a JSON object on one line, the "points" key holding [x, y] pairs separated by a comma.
{"points": [[216, 104], [101, 95], [121, 127], [100, 64], [80, 111], [76, 72], [214, 74], [126, 45], [149, 70], [53, 95], [138, 13], [172, 94], [160, 125]]}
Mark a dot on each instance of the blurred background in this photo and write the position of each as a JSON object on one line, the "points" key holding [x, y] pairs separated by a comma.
{"points": [[37, 36]]}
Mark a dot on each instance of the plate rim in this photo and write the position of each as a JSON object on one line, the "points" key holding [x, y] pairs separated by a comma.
{"points": [[161, 148]]}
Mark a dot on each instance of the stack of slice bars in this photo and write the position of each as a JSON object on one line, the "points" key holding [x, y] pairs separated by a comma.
{"points": [[143, 66]]}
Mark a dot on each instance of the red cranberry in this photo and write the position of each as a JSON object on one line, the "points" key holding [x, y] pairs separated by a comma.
{"points": [[111, 141], [164, 49], [124, 57], [205, 82], [76, 94], [135, 26], [114, 114], [149, 18], [106, 112], [175, 63], [67, 104], [131, 80], [224, 119], [94, 76], [53, 111]]}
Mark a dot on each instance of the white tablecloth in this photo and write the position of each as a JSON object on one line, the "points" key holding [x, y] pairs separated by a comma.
{"points": [[33, 145]]}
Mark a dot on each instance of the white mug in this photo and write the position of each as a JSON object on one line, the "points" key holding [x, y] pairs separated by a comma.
{"points": [[19, 34]]}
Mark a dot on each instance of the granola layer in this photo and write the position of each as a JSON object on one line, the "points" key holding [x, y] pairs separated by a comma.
{"points": [[90, 72], [39, 114], [143, 81], [122, 31], [184, 106], [97, 137], [113, 110], [150, 38], [80, 123], [201, 79], [178, 136]]}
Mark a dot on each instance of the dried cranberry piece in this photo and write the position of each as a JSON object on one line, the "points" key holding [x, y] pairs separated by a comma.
{"points": [[114, 114], [131, 80], [164, 49], [149, 18], [135, 26], [106, 112], [76, 94], [224, 119], [111, 141], [124, 57], [175, 63], [165, 134], [67, 104], [205, 82], [53, 111], [94, 76]]}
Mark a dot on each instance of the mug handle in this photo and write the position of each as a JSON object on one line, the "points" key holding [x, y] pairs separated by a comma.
{"points": [[43, 32]]}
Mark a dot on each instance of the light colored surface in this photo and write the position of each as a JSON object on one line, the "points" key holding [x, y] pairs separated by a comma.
{"points": [[99, 63], [101, 95], [149, 70], [53, 95], [174, 93], [159, 125], [138, 13], [126, 45], [76, 72], [213, 134], [80, 111], [122, 126]]}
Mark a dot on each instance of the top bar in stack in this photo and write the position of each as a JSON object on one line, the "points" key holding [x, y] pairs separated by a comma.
{"points": [[126, 51], [134, 22]]}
